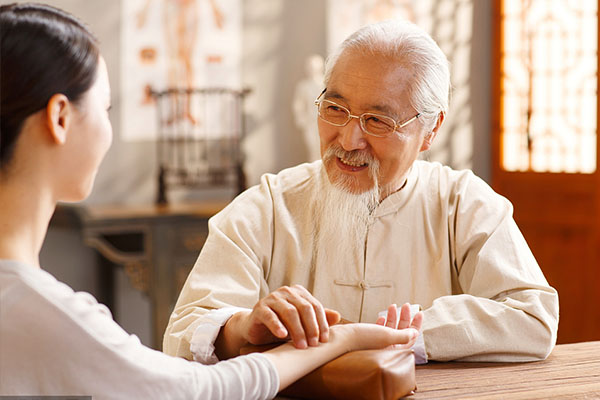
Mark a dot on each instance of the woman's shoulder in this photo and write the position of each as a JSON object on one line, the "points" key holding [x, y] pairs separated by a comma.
{"points": [[51, 304]]}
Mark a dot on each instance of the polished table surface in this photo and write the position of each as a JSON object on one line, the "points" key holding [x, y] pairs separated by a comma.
{"points": [[572, 371]]}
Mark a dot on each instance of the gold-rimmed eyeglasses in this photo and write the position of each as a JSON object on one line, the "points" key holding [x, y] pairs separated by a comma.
{"points": [[372, 124]]}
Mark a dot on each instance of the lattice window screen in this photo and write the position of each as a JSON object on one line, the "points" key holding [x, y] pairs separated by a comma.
{"points": [[549, 62]]}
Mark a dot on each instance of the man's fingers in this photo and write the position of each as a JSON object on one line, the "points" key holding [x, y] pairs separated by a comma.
{"points": [[312, 315], [380, 321], [290, 317], [294, 312], [322, 334], [268, 318], [333, 317], [309, 320]]}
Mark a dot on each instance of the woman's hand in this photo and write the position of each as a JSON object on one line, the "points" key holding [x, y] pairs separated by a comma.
{"points": [[292, 364], [364, 336], [396, 330], [403, 320]]}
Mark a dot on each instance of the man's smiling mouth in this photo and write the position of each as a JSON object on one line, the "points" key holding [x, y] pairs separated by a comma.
{"points": [[352, 163]]}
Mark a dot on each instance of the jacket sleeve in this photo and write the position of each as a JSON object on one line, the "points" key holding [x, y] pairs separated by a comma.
{"points": [[230, 270], [503, 308]]}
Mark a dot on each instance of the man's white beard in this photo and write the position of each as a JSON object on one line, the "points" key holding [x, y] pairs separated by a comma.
{"points": [[342, 216]]}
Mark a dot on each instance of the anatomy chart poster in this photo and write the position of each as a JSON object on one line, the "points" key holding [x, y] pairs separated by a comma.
{"points": [[175, 44]]}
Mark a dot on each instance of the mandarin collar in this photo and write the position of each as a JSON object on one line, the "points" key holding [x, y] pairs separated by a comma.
{"points": [[398, 199]]}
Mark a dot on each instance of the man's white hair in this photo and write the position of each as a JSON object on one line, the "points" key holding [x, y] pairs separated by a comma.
{"points": [[412, 48]]}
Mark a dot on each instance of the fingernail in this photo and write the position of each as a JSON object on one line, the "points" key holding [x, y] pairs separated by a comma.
{"points": [[313, 341], [302, 344], [281, 333]]}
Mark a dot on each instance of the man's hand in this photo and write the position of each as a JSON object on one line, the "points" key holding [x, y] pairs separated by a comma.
{"points": [[289, 312]]}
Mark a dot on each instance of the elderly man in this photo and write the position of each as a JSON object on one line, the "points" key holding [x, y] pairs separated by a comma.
{"points": [[370, 225]]}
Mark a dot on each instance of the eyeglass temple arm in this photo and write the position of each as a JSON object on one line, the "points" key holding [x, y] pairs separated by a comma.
{"points": [[402, 125], [319, 96]]}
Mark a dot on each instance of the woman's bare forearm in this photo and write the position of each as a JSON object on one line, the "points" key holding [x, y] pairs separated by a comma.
{"points": [[292, 363]]}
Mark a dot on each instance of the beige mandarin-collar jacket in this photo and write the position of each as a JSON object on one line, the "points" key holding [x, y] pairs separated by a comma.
{"points": [[446, 241]]}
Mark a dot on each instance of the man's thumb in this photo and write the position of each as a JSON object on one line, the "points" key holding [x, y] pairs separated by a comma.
{"points": [[333, 317]]}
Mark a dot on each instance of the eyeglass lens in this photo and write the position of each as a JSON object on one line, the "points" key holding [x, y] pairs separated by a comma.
{"points": [[378, 125]]}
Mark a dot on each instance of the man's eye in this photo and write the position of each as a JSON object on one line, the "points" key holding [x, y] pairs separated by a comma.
{"points": [[334, 108], [377, 121]]}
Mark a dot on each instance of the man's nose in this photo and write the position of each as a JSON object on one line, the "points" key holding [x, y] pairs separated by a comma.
{"points": [[351, 136]]}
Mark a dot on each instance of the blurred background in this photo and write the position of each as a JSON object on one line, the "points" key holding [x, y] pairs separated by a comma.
{"points": [[523, 116]]}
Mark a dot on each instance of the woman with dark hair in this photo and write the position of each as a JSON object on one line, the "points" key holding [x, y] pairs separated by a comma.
{"points": [[54, 132]]}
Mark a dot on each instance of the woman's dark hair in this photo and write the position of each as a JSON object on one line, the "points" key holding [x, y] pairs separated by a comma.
{"points": [[43, 51]]}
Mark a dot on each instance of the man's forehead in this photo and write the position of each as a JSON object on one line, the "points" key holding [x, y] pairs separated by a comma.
{"points": [[370, 82]]}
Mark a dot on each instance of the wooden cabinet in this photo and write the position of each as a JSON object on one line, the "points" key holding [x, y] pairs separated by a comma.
{"points": [[156, 245]]}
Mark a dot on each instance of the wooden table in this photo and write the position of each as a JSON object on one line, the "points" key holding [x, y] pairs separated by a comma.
{"points": [[572, 371], [156, 245]]}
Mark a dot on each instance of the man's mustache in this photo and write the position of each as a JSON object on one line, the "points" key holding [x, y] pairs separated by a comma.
{"points": [[355, 156]]}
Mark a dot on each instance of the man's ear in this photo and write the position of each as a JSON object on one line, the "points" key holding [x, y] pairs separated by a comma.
{"points": [[59, 112], [428, 141]]}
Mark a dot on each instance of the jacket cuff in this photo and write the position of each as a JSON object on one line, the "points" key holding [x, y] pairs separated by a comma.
{"points": [[202, 345]]}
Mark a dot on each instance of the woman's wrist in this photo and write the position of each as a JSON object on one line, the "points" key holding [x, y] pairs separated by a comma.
{"points": [[344, 337]]}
